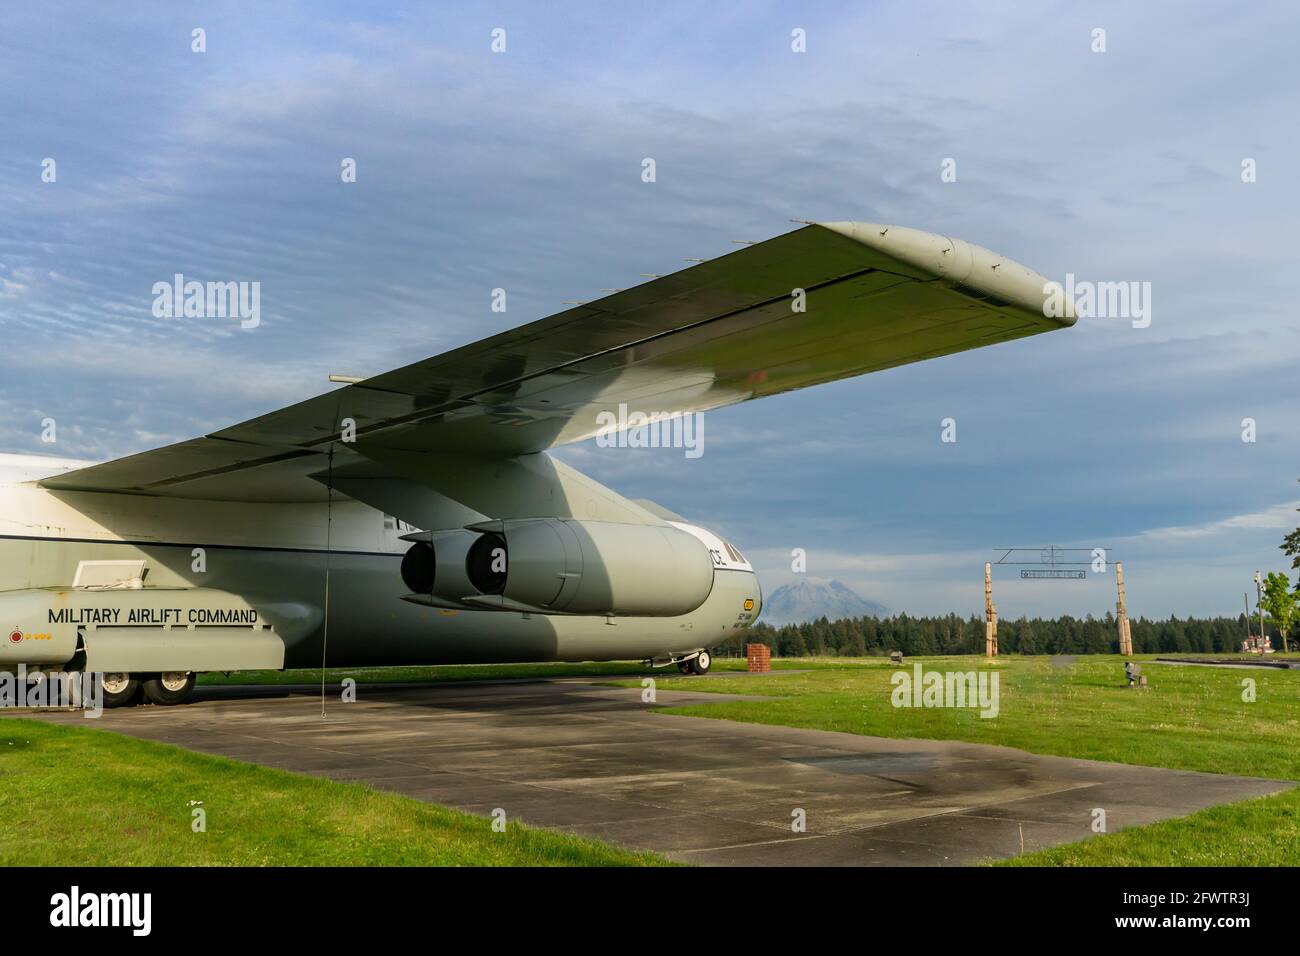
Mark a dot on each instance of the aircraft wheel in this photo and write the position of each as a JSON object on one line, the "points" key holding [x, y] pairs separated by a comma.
{"points": [[685, 667], [120, 689], [170, 687], [701, 663]]}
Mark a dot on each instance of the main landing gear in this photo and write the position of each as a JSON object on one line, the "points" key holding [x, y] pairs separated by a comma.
{"points": [[167, 688]]}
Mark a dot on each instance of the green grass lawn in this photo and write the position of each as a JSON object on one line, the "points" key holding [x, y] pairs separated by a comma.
{"points": [[1190, 718], [1261, 832], [126, 801], [75, 796]]}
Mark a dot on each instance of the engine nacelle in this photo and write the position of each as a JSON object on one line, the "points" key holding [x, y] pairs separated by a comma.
{"points": [[562, 566], [434, 568]]}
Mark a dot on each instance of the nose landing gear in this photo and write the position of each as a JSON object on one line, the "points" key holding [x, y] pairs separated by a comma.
{"points": [[698, 664]]}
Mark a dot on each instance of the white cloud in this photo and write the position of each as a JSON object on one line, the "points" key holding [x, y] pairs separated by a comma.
{"points": [[1279, 517]]}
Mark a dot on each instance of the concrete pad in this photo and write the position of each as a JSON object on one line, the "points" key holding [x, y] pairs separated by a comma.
{"points": [[594, 760]]}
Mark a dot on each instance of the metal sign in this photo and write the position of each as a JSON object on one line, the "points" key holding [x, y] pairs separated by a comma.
{"points": [[1055, 564]]}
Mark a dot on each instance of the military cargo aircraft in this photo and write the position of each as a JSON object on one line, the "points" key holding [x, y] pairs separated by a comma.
{"points": [[416, 518]]}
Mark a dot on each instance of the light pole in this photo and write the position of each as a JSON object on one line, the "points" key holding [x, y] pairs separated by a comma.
{"points": [[1259, 602]]}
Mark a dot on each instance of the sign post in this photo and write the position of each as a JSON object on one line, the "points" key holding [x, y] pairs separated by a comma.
{"points": [[1121, 615], [990, 614]]}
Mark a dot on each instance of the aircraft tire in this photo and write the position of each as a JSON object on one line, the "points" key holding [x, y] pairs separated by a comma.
{"points": [[120, 689], [173, 687], [701, 662]]}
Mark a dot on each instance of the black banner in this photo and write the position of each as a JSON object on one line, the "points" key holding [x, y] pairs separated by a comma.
{"points": [[328, 905]]}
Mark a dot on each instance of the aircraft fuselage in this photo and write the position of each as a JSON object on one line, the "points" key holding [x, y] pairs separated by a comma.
{"points": [[210, 564]]}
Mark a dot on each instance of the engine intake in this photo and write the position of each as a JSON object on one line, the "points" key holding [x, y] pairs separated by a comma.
{"points": [[420, 568], [485, 565]]}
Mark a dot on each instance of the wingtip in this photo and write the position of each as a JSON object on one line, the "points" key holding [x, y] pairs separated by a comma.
{"points": [[958, 261]]}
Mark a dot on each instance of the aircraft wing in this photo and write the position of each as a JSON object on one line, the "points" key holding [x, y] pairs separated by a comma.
{"points": [[724, 331]]}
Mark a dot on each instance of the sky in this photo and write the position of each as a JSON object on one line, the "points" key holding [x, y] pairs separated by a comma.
{"points": [[522, 170]]}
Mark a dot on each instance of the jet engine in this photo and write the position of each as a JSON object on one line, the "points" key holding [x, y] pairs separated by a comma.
{"points": [[563, 566]]}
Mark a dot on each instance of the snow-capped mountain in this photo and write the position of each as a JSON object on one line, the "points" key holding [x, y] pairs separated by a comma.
{"points": [[807, 599]]}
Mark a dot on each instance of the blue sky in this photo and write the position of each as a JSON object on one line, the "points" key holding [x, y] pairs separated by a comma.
{"points": [[522, 170]]}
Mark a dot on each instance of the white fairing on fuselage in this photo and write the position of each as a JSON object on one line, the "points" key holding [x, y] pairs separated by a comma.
{"points": [[19, 468], [224, 555]]}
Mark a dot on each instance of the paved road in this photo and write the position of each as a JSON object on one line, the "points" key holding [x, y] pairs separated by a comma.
{"points": [[594, 759]]}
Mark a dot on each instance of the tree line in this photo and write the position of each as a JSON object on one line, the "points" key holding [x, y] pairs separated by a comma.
{"points": [[953, 634]]}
